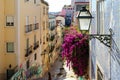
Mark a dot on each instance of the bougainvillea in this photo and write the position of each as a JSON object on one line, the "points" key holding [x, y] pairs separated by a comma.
{"points": [[76, 51]]}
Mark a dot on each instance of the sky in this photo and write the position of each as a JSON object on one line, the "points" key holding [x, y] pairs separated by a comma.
{"points": [[56, 5]]}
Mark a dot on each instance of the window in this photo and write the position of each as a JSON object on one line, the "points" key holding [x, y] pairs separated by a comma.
{"points": [[37, 2], [44, 10], [9, 21], [100, 17], [43, 25], [34, 1], [34, 38], [27, 20], [99, 74], [10, 47], [35, 23], [27, 64], [27, 28], [27, 43], [35, 56]]}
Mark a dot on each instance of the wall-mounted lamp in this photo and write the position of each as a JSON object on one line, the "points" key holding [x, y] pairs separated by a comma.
{"points": [[84, 18]]}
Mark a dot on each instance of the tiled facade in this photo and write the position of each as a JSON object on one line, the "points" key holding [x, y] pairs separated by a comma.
{"points": [[104, 61]]}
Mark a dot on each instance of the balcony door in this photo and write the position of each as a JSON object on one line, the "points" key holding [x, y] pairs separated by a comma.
{"points": [[34, 38], [27, 43]]}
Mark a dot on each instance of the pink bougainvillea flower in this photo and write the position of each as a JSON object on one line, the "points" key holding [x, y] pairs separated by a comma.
{"points": [[75, 50]]}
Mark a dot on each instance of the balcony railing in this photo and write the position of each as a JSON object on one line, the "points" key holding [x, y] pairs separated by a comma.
{"points": [[28, 51], [36, 45], [28, 28], [36, 26]]}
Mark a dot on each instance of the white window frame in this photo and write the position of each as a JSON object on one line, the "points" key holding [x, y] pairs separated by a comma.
{"points": [[27, 23], [27, 20], [10, 47], [100, 17], [9, 21]]}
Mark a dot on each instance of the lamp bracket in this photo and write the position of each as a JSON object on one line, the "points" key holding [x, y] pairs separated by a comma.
{"points": [[103, 38]]}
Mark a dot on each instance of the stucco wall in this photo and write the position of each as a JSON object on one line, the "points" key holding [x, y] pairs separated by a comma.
{"points": [[2, 36]]}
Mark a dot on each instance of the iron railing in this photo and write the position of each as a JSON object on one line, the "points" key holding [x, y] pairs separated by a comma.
{"points": [[36, 26], [36, 45], [28, 28], [28, 51]]}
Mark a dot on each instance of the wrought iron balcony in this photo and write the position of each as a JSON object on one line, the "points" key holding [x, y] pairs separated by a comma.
{"points": [[28, 28], [36, 45], [28, 51], [36, 26]]}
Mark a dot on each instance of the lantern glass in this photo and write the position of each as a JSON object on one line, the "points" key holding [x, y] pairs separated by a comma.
{"points": [[84, 20]]}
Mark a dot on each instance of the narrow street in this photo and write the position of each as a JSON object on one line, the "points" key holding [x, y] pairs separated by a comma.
{"points": [[59, 71], [60, 40]]}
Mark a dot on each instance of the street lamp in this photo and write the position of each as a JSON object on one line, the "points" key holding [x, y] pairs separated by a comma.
{"points": [[84, 18]]}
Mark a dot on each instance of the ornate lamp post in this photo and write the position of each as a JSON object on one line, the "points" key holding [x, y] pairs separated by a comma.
{"points": [[84, 18]]}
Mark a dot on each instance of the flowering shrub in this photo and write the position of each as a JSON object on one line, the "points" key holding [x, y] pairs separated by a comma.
{"points": [[76, 51]]}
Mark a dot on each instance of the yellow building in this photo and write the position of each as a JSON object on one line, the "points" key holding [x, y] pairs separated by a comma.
{"points": [[44, 36], [2, 44], [50, 44], [23, 36]]}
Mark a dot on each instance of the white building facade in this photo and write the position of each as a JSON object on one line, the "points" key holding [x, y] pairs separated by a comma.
{"points": [[105, 61]]}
